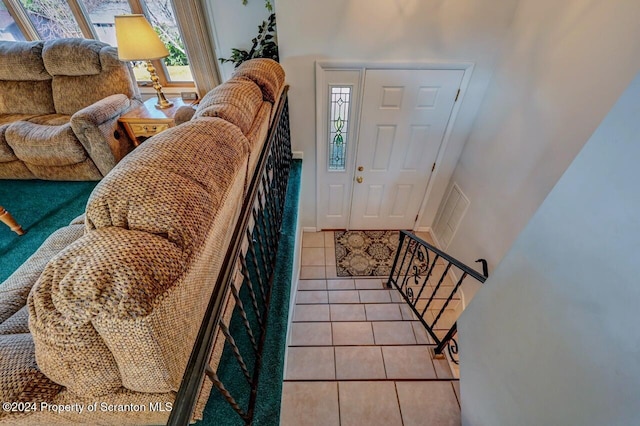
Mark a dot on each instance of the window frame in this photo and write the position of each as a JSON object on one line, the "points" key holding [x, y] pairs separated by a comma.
{"points": [[30, 33]]}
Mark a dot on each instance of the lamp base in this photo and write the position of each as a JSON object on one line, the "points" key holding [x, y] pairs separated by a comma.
{"points": [[163, 103]]}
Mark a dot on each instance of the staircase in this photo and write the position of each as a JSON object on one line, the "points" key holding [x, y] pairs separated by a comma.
{"points": [[358, 353]]}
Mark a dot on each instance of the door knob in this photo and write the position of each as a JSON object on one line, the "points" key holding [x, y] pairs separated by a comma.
{"points": [[359, 179], [360, 168]]}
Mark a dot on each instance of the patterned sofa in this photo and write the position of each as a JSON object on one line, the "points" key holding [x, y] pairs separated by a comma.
{"points": [[59, 106], [108, 309]]}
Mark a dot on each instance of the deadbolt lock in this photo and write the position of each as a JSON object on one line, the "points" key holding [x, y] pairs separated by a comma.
{"points": [[360, 168], [359, 179]]}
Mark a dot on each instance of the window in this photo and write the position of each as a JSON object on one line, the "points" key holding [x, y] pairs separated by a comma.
{"points": [[101, 15], [9, 31], [52, 18], [340, 98], [49, 19]]}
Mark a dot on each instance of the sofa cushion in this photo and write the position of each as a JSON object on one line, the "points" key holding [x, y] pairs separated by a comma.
{"points": [[26, 97], [20, 378], [22, 61], [14, 290], [266, 73], [110, 274], [6, 153], [45, 145], [17, 323], [84, 72], [237, 101], [159, 188], [72, 56]]}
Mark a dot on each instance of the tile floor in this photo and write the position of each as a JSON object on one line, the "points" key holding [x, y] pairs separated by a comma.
{"points": [[356, 356]]}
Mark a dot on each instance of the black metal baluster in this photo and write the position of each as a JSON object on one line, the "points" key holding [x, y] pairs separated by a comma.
{"points": [[254, 257], [435, 290], [243, 314], [464, 275], [395, 262], [426, 280], [225, 393], [236, 351], [247, 280]]}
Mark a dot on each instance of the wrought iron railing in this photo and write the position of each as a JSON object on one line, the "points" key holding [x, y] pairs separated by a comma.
{"points": [[249, 260], [429, 281]]}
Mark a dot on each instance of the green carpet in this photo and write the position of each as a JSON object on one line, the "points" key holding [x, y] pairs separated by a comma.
{"points": [[40, 207], [267, 411]]}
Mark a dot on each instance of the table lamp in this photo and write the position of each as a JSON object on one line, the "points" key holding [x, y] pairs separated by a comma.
{"points": [[138, 41]]}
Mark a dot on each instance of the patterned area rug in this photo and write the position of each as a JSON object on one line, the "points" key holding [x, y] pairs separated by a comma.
{"points": [[365, 253]]}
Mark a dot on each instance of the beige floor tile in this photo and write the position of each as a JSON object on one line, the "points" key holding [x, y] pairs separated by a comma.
{"points": [[330, 255], [313, 239], [310, 404], [312, 285], [329, 239], [407, 313], [368, 403], [443, 370], [355, 362], [456, 390], [396, 297], [383, 312], [374, 296], [340, 285], [345, 312], [312, 272], [344, 296], [370, 284], [427, 403], [393, 333], [331, 272], [311, 313], [422, 336], [408, 362], [311, 297], [312, 256], [311, 334], [310, 363], [352, 333]]}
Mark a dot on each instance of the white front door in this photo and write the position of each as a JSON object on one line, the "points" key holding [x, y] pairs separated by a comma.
{"points": [[402, 123]]}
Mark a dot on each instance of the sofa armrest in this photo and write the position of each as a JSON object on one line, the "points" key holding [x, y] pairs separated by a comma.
{"points": [[96, 128]]}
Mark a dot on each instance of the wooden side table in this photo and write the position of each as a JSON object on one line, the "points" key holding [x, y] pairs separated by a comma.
{"points": [[147, 120], [8, 220]]}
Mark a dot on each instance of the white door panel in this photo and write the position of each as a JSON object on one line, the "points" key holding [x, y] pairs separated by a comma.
{"points": [[403, 119]]}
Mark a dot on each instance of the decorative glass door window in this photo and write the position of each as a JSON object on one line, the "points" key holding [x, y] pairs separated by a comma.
{"points": [[339, 103]]}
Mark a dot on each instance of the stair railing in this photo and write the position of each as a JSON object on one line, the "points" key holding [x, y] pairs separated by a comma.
{"points": [[429, 280], [249, 260]]}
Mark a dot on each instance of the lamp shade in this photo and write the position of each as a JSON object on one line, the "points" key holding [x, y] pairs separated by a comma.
{"points": [[137, 39]]}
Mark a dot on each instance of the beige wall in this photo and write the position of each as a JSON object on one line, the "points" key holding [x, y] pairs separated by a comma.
{"points": [[553, 337], [386, 31], [564, 66]]}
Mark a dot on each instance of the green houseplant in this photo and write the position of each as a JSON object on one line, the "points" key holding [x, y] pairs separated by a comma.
{"points": [[264, 44]]}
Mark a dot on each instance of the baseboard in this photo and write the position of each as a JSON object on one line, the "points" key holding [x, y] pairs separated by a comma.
{"points": [[309, 229], [424, 229], [294, 286], [435, 240], [297, 155]]}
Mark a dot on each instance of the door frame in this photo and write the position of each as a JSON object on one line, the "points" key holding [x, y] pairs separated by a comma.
{"points": [[322, 66]]}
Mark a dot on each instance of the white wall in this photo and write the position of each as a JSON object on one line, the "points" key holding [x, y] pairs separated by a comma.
{"points": [[564, 66], [553, 338], [389, 31], [233, 25]]}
